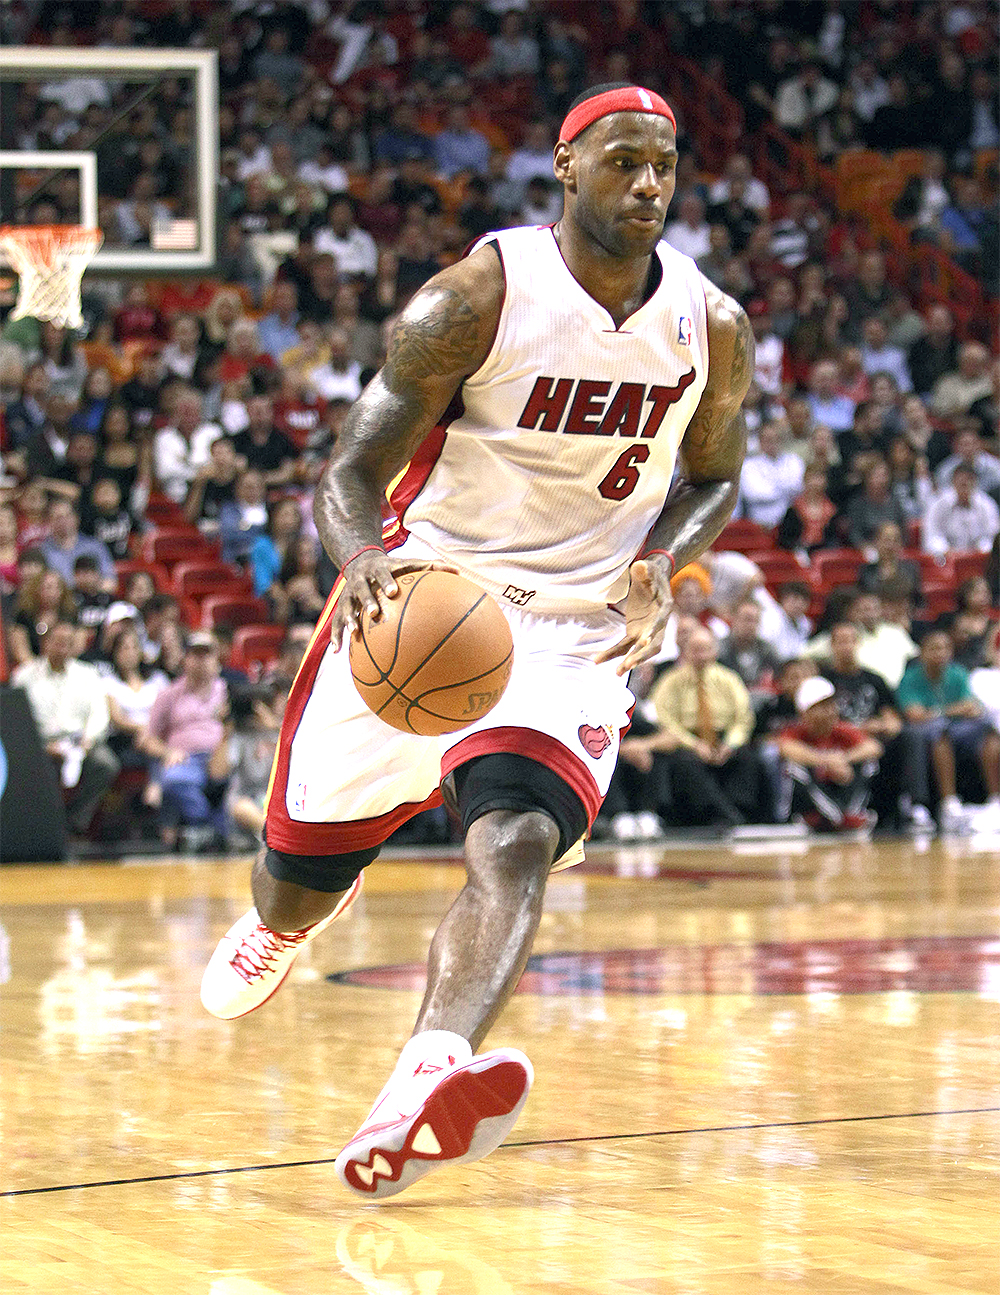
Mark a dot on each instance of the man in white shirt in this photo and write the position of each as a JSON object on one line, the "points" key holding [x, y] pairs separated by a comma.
{"points": [[755, 193], [877, 356], [70, 707], [803, 99], [353, 248], [340, 377], [769, 369], [969, 450], [689, 233], [962, 517], [179, 451], [771, 479], [533, 158]]}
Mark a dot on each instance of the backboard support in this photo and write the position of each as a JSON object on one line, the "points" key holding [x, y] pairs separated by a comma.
{"points": [[191, 245]]}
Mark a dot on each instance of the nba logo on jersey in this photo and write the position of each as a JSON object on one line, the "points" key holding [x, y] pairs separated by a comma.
{"points": [[684, 330]]}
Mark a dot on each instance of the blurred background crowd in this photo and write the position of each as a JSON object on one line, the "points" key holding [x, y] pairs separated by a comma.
{"points": [[834, 658]]}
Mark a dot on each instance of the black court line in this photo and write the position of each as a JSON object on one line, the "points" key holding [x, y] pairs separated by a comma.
{"points": [[510, 1146]]}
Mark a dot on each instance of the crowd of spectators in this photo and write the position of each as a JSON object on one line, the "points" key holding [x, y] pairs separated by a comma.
{"points": [[362, 147]]}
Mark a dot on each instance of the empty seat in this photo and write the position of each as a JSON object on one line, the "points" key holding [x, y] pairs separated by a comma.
{"points": [[255, 646], [837, 567], [172, 546], [233, 610], [199, 579]]}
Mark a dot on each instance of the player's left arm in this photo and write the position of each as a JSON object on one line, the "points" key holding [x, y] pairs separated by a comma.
{"points": [[699, 506]]}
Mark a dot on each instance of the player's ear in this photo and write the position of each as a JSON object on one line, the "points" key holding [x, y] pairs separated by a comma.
{"points": [[564, 164]]}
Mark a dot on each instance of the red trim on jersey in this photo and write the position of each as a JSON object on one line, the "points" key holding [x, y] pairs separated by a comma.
{"points": [[534, 746], [288, 834]]}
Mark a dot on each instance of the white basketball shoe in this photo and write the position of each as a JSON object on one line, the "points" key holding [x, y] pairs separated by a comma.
{"points": [[251, 961], [443, 1112]]}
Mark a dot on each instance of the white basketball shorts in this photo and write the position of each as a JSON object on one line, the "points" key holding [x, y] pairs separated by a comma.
{"points": [[344, 780]]}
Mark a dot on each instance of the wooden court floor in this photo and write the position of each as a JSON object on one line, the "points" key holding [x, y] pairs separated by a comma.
{"points": [[772, 1070]]}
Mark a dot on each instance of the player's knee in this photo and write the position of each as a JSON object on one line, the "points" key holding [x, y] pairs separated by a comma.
{"points": [[506, 845]]}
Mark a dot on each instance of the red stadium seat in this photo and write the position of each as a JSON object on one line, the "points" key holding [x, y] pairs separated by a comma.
{"points": [[199, 579], [932, 571], [837, 567], [966, 565], [938, 598], [741, 535], [777, 566], [163, 511], [129, 566], [234, 610], [172, 546], [255, 646]]}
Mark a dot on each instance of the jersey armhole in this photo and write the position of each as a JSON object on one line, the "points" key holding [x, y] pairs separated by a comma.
{"points": [[495, 245]]}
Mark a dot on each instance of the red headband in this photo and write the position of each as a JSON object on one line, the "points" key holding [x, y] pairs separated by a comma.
{"points": [[632, 98]]}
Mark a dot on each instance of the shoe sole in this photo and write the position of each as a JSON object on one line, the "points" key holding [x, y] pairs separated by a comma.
{"points": [[463, 1119], [347, 902]]}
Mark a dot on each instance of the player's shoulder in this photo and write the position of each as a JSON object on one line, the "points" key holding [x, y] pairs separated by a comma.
{"points": [[725, 314]]}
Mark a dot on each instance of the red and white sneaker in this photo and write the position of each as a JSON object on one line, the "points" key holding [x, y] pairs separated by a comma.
{"points": [[443, 1115], [251, 961]]}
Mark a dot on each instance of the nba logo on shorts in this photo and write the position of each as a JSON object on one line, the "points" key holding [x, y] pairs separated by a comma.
{"points": [[299, 803], [684, 330]]}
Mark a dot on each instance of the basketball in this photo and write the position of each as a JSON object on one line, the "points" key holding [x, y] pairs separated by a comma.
{"points": [[438, 659]]}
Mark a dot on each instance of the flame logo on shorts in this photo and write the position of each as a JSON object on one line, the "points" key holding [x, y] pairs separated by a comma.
{"points": [[595, 741]]}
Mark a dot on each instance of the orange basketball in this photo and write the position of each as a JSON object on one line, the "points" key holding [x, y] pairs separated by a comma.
{"points": [[438, 659]]}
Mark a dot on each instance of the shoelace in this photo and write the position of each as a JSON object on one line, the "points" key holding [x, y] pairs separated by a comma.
{"points": [[257, 951]]}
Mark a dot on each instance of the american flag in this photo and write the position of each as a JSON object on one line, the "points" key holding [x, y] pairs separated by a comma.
{"points": [[175, 236]]}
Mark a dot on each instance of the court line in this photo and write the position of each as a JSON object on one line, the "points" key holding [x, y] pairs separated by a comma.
{"points": [[509, 1146]]}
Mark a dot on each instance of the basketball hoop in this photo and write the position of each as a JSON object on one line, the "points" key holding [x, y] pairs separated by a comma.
{"points": [[50, 261]]}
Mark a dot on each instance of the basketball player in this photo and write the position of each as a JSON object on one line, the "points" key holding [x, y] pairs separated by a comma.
{"points": [[526, 426]]}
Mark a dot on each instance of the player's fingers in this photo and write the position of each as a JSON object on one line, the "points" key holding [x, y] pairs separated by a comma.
{"points": [[646, 645], [610, 653]]}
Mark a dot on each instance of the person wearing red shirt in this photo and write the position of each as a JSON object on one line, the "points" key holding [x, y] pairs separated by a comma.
{"points": [[830, 763]]}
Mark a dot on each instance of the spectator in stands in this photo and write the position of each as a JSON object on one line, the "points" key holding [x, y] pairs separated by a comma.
{"points": [[889, 563], [805, 525], [791, 235], [876, 504], [935, 353], [42, 599], [877, 356], [65, 544], [745, 652], [969, 452], [278, 330], [771, 478], [251, 754], [182, 353], [92, 603], [25, 416], [353, 248], [45, 452], [738, 216], [214, 485], [898, 123], [283, 669], [185, 729], [882, 647], [985, 681], [788, 629], [869, 294], [141, 394], [339, 378], [964, 222], [689, 231], [299, 580], [935, 697], [262, 447], [826, 406], [956, 392], [180, 449], [924, 198], [10, 576], [831, 763], [402, 141], [271, 547], [971, 626], [912, 485], [923, 437], [70, 710], [769, 368], [716, 777], [460, 148], [124, 457], [131, 687], [803, 98], [900, 790], [852, 379], [962, 517], [245, 518]]}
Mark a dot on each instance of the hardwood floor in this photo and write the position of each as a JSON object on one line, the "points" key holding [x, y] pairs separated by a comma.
{"points": [[757, 1070]]}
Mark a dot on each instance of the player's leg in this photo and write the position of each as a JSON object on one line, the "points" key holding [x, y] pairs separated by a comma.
{"points": [[296, 897], [442, 1104]]}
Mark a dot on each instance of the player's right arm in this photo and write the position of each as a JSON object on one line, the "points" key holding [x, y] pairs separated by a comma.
{"points": [[443, 336]]}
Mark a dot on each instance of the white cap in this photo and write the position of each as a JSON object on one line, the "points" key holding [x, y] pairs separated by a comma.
{"points": [[811, 691]]}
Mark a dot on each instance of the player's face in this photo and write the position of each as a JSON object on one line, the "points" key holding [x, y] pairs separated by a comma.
{"points": [[620, 177]]}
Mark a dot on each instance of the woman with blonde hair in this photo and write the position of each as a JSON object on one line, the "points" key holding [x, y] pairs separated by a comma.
{"points": [[42, 600], [225, 308]]}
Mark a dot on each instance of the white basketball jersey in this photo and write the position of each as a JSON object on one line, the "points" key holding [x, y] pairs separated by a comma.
{"points": [[557, 454]]}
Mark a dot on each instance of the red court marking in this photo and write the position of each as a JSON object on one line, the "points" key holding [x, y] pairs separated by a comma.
{"points": [[923, 964]]}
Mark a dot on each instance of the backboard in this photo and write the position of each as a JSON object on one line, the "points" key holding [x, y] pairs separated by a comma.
{"points": [[126, 139]]}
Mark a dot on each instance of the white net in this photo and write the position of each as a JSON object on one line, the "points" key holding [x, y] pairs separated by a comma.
{"points": [[50, 261]]}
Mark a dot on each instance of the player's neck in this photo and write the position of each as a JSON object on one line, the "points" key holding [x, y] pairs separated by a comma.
{"points": [[618, 284]]}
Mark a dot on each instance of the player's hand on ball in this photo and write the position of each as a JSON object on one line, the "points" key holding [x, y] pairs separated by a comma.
{"points": [[647, 610], [368, 580]]}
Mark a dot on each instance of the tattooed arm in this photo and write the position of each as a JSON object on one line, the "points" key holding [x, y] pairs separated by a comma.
{"points": [[711, 459], [442, 336]]}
